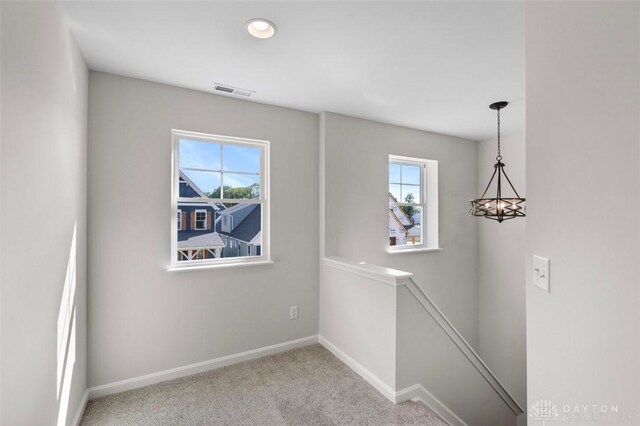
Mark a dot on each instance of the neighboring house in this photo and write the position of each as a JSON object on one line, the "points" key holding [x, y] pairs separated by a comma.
{"points": [[210, 230], [402, 229], [197, 238], [240, 227]]}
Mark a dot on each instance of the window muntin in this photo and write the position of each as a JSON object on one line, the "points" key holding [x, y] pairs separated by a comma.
{"points": [[227, 175], [405, 182], [222, 170], [408, 209]]}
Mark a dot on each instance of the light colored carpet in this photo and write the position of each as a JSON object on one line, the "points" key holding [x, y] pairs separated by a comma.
{"points": [[306, 386]]}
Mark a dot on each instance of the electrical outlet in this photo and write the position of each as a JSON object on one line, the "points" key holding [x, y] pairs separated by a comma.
{"points": [[293, 312]]}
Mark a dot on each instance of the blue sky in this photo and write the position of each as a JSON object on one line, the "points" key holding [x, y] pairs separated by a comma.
{"points": [[209, 156]]}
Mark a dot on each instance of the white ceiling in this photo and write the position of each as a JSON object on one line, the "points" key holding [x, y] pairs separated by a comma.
{"points": [[428, 65]]}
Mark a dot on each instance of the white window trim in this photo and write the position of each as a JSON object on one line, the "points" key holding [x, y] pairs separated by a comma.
{"points": [[264, 258], [229, 222], [428, 204], [195, 217]]}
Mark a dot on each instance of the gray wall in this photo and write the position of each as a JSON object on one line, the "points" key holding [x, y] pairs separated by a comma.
{"points": [[501, 286], [356, 216], [583, 157], [144, 319], [44, 118], [426, 355]]}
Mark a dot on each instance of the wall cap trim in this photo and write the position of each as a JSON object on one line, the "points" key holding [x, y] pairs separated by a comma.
{"points": [[389, 276]]}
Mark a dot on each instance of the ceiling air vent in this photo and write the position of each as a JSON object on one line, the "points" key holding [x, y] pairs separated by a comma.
{"points": [[230, 90]]}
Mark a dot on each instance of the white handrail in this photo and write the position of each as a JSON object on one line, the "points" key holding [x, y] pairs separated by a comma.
{"points": [[396, 278]]}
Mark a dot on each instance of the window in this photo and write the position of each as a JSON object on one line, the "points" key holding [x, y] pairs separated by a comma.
{"points": [[200, 217], [226, 223], [412, 203], [221, 184]]}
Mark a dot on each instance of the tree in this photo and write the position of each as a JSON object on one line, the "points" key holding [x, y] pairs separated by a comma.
{"points": [[237, 192], [409, 210]]}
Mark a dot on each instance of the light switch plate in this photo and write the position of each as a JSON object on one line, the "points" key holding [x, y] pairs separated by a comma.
{"points": [[541, 273]]}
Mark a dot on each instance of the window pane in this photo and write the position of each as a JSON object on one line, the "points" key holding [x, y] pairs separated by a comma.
{"points": [[410, 194], [197, 238], [411, 174], [240, 228], [396, 191], [241, 159], [199, 155], [405, 225], [238, 186], [199, 183], [394, 173]]}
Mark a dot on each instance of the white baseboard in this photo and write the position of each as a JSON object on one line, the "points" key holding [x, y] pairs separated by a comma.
{"points": [[81, 407], [417, 392], [199, 367], [386, 390]]}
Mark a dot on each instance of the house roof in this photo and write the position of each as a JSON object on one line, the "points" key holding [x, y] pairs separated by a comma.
{"points": [[249, 227], [191, 184], [184, 179], [199, 240], [393, 204], [394, 217], [257, 240]]}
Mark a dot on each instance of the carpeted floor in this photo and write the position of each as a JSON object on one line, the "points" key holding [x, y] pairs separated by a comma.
{"points": [[306, 386]]}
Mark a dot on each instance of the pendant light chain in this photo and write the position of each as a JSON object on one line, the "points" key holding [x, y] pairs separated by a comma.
{"points": [[499, 157]]}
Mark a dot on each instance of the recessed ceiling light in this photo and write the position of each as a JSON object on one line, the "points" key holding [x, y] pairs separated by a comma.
{"points": [[261, 28]]}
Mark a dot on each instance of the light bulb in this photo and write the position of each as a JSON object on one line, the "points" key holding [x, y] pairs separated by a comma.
{"points": [[261, 28]]}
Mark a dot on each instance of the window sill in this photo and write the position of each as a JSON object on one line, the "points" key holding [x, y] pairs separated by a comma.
{"points": [[414, 250], [218, 266]]}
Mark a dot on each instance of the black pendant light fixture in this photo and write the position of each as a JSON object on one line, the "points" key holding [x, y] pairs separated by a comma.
{"points": [[499, 208]]}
